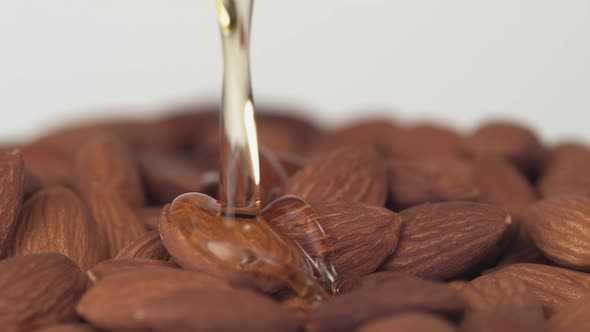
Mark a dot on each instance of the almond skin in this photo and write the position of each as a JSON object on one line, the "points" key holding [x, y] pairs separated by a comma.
{"points": [[409, 322], [214, 310], [349, 311], [353, 238], [566, 171], [38, 290], [554, 287], [443, 240], [353, 173], [573, 317], [504, 318], [149, 246], [560, 227], [12, 184], [56, 220], [423, 141], [417, 181], [110, 304], [119, 265]]}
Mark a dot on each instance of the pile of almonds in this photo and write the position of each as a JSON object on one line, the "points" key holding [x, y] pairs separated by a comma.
{"points": [[429, 229]]}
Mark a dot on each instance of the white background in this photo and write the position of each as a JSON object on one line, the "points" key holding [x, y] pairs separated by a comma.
{"points": [[459, 61]]}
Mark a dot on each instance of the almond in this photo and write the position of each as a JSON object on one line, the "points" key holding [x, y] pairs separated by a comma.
{"points": [[370, 132], [492, 290], [354, 237], [70, 327], [554, 287], [150, 216], [349, 311], [512, 142], [53, 166], [118, 265], [560, 227], [417, 181], [112, 302], [12, 183], [504, 318], [148, 246], [56, 220], [38, 290], [566, 171], [214, 310], [105, 161], [413, 321], [352, 173], [443, 240], [573, 317], [348, 284], [423, 141]]}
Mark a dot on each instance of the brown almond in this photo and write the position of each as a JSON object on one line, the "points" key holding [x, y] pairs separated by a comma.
{"points": [[167, 176], [409, 322], [566, 171], [56, 220], [119, 265], [417, 181], [500, 183], [370, 132], [106, 161], [351, 310], [12, 184], [111, 303], [148, 246], [443, 240], [178, 128], [423, 141], [354, 173], [512, 142], [53, 166], [70, 327], [492, 290], [38, 290], [200, 310], [560, 227], [354, 238], [504, 318], [573, 317], [554, 287]]}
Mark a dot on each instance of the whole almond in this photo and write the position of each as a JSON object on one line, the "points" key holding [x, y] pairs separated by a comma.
{"points": [[148, 246], [105, 161], [443, 240], [423, 141], [504, 318], [512, 142], [370, 132], [119, 265], [560, 227], [492, 290], [353, 173], [566, 171], [417, 181], [354, 237], [573, 317], [52, 165], [196, 310], [351, 310], [56, 220], [111, 303], [554, 287], [12, 183], [409, 322], [37, 290]]}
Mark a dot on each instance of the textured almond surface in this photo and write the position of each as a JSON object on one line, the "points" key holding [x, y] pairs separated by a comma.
{"points": [[409, 322], [442, 240], [349, 311], [149, 246], [12, 180], [209, 310], [56, 220], [573, 317], [119, 265], [355, 173], [504, 318], [560, 227], [38, 290], [110, 304], [554, 287]]}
